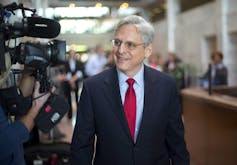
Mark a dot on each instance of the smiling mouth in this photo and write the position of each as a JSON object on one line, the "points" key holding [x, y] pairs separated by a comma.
{"points": [[121, 59]]}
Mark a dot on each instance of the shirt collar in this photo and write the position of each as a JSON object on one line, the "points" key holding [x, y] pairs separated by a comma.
{"points": [[139, 77]]}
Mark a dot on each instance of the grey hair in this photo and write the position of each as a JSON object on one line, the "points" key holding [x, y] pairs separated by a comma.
{"points": [[144, 27]]}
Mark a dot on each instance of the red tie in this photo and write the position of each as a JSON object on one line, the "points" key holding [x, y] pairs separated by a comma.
{"points": [[130, 106]]}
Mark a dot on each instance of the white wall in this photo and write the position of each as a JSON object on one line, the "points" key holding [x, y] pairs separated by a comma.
{"points": [[191, 28], [192, 33], [161, 38]]}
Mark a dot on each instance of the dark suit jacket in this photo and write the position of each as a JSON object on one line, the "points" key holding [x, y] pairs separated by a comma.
{"points": [[220, 77], [161, 135]]}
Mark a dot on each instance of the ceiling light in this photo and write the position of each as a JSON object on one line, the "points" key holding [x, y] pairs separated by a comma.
{"points": [[71, 5], [98, 4], [80, 12], [124, 5]]}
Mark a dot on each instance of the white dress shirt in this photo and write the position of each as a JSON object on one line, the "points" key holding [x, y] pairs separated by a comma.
{"points": [[139, 90]]}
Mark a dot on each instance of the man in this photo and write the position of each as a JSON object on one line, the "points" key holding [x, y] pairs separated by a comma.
{"points": [[96, 61], [155, 135], [74, 72], [14, 134], [217, 71]]}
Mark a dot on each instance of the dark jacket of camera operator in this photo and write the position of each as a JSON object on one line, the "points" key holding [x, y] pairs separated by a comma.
{"points": [[12, 137], [14, 133]]}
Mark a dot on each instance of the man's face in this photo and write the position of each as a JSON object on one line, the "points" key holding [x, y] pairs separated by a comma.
{"points": [[100, 50], [217, 59], [128, 60], [72, 54]]}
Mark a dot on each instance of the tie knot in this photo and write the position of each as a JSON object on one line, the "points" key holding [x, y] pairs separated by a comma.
{"points": [[130, 81]]}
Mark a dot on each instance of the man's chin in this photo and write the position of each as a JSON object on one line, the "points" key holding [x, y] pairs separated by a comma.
{"points": [[121, 66]]}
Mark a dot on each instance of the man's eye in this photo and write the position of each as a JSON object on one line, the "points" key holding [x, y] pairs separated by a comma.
{"points": [[117, 42], [130, 44]]}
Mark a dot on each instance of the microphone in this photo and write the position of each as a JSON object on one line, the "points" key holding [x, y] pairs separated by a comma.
{"points": [[42, 27], [37, 27]]}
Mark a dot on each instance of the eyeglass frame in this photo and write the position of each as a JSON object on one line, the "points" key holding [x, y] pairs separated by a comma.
{"points": [[132, 46]]}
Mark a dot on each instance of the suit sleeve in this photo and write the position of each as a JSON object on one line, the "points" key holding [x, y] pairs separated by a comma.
{"points": [[82, 146], [175, 132]]}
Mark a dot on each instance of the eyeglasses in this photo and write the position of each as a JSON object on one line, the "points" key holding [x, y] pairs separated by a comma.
{"points": [[128, 44]]}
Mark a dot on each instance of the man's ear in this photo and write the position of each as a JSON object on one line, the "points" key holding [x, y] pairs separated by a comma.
{"points": [[148, 50]]}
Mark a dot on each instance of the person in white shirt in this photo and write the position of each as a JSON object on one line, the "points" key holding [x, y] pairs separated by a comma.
{"points": [[96, 61]]}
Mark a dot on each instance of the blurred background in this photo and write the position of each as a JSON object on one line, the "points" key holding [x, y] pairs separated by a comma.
{"points": [[195, 42], [193, 29]]}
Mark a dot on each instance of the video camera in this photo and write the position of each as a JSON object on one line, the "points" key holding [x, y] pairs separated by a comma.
{"points": [[36, 56]]}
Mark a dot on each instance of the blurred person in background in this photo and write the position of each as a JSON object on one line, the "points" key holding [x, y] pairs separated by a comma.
{"points": [[155, 61], [218, 71], [171, 63], [110, 60], [96, 61], [74, 70], [176, 69]]}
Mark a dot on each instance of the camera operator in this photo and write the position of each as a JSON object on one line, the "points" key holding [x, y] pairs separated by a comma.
{"points": [[14, 133]]}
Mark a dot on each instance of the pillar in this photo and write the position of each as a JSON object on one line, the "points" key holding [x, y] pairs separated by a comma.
{"points": [[173, 8]]}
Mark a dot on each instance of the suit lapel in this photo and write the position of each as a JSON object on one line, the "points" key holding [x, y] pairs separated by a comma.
{"points": [[112, 94], [148, 83]]}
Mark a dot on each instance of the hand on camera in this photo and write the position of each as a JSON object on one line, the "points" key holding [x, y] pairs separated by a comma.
{"points": [[38, 98], [38, 101]]}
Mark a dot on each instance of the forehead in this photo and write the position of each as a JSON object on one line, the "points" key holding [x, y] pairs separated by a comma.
{"points": [[128, 31]]}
